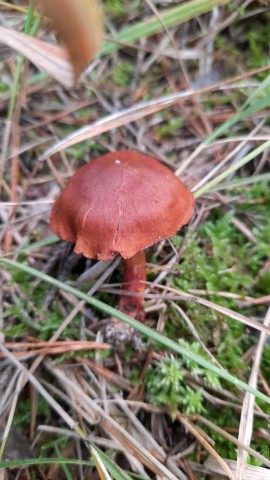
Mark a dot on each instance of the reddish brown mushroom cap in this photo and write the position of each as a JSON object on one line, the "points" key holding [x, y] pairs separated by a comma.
{"points": [[122, 202]]}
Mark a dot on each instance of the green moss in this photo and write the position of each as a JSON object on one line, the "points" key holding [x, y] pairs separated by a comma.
{"points": [[169, 127], [258, 42], [122, 73], [167, 384], [23, 412], [248, 41], [120, 8], [53, 321], [219, 258], [24, 319]]}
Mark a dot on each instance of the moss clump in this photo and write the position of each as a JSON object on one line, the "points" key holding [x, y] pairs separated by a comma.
{"points": [[167, 384]]}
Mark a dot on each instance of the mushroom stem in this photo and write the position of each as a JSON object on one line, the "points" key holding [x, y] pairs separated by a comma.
{"points": [[133, 282]]}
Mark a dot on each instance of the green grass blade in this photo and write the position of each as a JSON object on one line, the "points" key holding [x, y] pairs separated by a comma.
{"points": [[41, 461], [166, 342], [64, 465], [263, 177], [119, 474], [170, 17], [258, 91], [101, 469], [39, 244], [17, 77], [239, 116], [116, 472], [232, 169]]}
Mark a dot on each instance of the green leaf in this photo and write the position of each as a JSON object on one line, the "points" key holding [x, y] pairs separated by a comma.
{"points": [[170, 18]]}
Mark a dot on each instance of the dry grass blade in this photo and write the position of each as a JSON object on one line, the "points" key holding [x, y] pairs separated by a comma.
{"points": [[195, 333], [108, 423], [115, 120], [16, 8], [80, 27], [49, 58], [212, 468], [63, 326], [234, 440], [53, 348], [247, 414], [111, 377], [219, 308], [10, 417], [195, 431], [137, 112], [231, 155], [40, 388]]}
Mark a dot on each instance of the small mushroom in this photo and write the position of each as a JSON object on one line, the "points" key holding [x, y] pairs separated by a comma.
{"points": [[122, 203]]}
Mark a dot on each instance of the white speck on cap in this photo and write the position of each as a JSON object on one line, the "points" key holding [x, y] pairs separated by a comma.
{"points": [[117, 161]]}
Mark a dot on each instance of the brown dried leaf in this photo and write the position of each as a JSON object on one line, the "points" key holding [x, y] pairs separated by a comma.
{"points": [[51, 58], [79, 26]]}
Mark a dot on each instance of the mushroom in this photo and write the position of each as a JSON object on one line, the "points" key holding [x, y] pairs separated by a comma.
{"points": [[122, 203]]}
